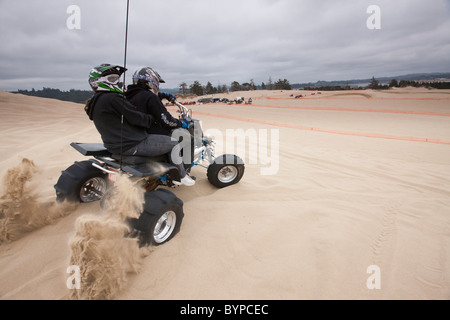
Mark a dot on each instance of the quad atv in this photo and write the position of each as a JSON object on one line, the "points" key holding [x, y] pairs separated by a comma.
{"points": [[90, 180]]}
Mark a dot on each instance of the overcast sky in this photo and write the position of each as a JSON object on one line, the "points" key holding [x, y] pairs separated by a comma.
{"points": [[221, 41]]}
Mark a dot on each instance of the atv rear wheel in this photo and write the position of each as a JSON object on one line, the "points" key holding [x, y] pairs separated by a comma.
{"points": [[225, 171], [81, 182], [161, 219]]}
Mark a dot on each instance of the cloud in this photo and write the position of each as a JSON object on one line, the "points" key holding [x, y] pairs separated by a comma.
{"points": [[221, 42]]}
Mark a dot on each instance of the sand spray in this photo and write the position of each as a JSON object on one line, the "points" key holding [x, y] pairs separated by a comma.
{"points": [[21, 210], [100, 247]]}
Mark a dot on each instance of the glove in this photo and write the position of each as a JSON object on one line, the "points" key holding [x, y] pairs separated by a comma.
{"points": [[184, 124], [168, 96]]}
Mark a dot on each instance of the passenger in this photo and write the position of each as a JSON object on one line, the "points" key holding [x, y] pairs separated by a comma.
{"points": [[144, 94]]}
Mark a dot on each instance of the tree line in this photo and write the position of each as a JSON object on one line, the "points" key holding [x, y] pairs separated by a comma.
{"points": [[394, 83], [196, 88], [79, 96], [425, 84], [374, 84]]}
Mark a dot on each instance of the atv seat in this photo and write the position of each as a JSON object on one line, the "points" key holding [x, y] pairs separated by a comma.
{"points": [[91, 149], [99, 150], [135, 165]]}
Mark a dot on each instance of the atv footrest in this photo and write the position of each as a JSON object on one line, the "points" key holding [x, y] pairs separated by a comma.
{"points": [[147, 169], [109, 161]]}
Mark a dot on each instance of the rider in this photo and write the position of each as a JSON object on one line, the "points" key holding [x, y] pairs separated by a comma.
{"points": [[145, 95], [122, 127]]}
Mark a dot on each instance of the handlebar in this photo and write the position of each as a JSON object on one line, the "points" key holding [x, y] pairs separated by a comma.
{"points": [[183, 110]]}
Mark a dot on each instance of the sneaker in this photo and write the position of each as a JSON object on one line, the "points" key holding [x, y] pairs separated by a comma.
{"points": [[187, 181]]}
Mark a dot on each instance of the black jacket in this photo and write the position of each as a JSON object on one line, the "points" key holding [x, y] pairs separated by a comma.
{"points": [[105, 109], [149, 103]]}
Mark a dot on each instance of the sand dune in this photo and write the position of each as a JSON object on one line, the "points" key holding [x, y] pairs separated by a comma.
{"points": [[345, 196]]}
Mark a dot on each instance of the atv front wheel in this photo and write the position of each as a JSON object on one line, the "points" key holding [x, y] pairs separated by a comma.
{"points": [[81, 182], [161, 219], [225, 171]]}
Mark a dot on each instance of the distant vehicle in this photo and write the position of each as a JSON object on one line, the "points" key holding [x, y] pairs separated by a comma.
{"points": [[216, 100], [205, 100]]}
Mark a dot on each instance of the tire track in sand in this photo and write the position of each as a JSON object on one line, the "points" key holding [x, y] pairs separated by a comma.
{"points": [[386, 236]]}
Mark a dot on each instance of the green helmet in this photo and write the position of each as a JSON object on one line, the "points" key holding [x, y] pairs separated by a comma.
{"points": [[105, 77]]}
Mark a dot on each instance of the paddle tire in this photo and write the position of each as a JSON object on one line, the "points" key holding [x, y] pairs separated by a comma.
{"points": [[225, 171], [161, 219], [81, 182]]}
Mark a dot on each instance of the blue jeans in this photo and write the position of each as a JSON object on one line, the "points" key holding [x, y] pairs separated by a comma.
{"points": [[157, 145]]}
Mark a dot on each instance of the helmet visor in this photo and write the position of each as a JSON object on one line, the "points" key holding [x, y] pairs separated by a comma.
{"points": [[113, 78]]}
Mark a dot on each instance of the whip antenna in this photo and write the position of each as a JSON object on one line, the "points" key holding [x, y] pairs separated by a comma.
{"points": [[124, 85], [126, 41]]}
